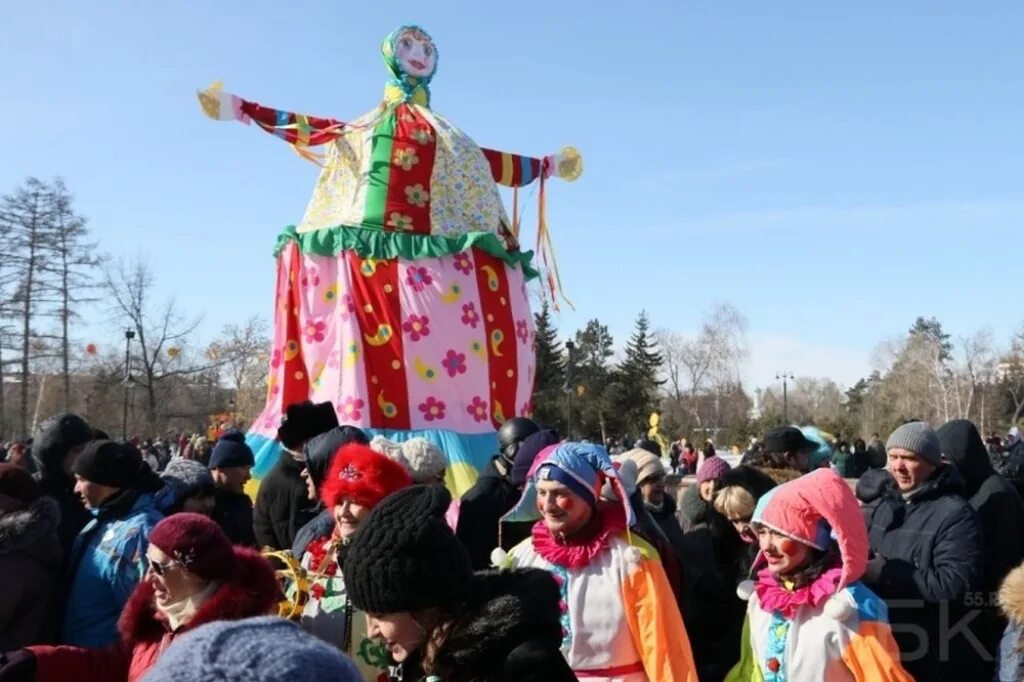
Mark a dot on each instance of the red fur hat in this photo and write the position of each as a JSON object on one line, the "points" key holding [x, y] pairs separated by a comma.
{"points": [[362, 475]]}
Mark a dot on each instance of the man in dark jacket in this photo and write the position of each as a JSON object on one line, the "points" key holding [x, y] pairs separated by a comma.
{"points": [[926, 555], [56, 444], [496, 491], [282, 504], [1001, 515], [230, 463]]}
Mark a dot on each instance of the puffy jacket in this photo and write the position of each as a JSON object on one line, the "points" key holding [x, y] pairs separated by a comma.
{"points": [[250, 590], [928, 564], [55, 438], [30, 566], [107, 562], [282, 505]]}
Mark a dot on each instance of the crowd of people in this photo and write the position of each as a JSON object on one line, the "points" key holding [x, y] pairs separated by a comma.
{"points": [[128, 562]]}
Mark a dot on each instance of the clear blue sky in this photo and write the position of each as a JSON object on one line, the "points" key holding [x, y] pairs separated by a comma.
{"points": [[832, 172]]}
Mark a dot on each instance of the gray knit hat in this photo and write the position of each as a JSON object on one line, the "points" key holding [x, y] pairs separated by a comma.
{"points": [[920, 439], [264, 649], [186, 477]]}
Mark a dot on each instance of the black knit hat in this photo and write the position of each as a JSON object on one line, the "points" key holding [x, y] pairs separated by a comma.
{"points": [[231, 451], [118, 465], [406, 558]]}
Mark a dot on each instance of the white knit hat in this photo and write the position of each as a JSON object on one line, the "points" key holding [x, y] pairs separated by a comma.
{"points": [[422, 459]]}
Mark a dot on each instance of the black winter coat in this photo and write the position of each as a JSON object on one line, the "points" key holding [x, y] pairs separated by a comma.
{"points": [[928, 558], [716, 613], [282, 505], [508, 631], [233, 513], [30, 570], [1001, 515], [55, 438], [480, 509]]}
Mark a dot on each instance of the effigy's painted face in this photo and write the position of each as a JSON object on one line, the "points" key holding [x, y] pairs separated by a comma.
{"points": [[415, 54]]}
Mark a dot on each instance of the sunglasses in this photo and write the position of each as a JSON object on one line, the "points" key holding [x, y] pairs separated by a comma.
{"points": [[160, 570]]}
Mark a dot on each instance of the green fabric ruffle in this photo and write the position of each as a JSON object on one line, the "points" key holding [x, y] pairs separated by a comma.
{"points": [[373, 243]]}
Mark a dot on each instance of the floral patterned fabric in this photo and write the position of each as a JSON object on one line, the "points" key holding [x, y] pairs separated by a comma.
{"points": [[442, 343]]}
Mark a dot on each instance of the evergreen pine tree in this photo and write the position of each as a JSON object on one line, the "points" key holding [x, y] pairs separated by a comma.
{"points": [[549, 380], [638, 373]]}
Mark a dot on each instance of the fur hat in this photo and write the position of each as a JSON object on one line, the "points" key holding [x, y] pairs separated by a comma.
{"points": [[263, 649], [302, 421], [406, 557], [814, 508], [195, 542], [423, 460], [362, 474]]}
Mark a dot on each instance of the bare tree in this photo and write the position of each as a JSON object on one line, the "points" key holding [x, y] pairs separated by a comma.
{"points": [[243, 350], [26, 218], [710, 361], [72, 269], [157, 328]]}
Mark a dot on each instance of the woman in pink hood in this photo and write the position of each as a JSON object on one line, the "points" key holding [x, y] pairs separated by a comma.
{"points": [[808, 617]]}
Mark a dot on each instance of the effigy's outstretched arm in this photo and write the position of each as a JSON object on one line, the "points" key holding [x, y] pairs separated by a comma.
{"points": [[515, 170], [298, 130]]}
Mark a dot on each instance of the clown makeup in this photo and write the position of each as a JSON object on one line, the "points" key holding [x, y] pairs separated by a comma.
{"points": [[415, 53], [785, 556], [563, 511], [349, 516]]}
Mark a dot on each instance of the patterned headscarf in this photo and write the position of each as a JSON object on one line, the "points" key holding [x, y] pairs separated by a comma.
{"points": [[402, 87]]}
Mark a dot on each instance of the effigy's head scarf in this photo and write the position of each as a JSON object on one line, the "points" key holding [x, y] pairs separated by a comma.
{"points": [[404, 85]]}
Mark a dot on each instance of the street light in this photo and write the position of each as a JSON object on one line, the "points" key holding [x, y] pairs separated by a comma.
{"points": [[129, 334], [785, 394], [570, 347]]}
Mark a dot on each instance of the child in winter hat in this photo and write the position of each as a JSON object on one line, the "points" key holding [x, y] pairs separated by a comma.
{"points": [[264, 649], [808, 617]]}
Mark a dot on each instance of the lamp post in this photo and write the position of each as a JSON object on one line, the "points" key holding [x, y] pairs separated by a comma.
{"points": [[129, 334], [569, 347], [785, 393]]}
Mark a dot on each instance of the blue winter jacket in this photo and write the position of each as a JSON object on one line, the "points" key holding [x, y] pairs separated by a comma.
{"points": [[108, 561]]}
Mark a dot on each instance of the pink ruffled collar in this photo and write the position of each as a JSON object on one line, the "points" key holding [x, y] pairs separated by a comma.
{"points": [[774, 596], [578, 551]]}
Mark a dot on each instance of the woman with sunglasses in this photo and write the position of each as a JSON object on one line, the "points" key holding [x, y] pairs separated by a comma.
{"points": [[194, 576]]}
